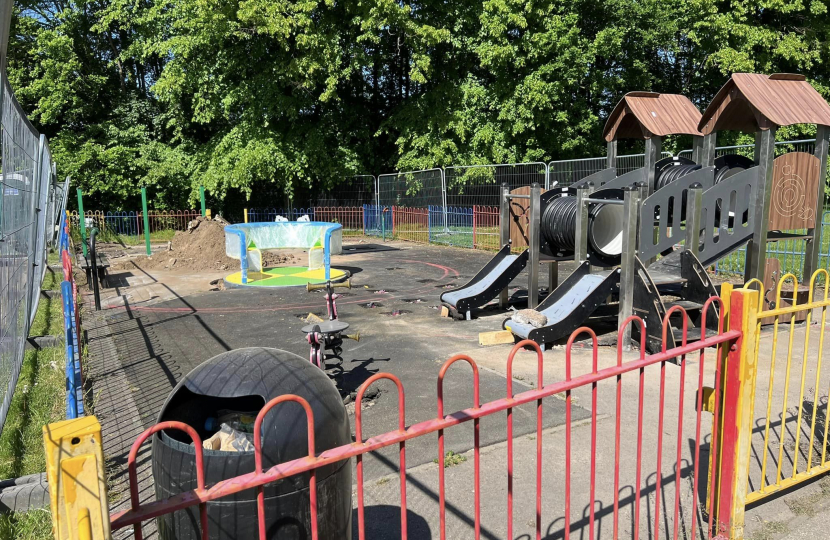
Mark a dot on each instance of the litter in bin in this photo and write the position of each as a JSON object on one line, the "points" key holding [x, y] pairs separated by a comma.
{"points": [[228, 439]]}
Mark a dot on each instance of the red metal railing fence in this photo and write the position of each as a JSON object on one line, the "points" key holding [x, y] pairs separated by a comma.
{"points": [[718, 512]]}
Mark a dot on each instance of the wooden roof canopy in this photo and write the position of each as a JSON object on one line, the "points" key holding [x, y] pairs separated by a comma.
{"points": [[753, 101], [642, 115]]}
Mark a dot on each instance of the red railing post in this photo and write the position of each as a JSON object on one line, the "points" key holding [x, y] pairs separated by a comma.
{"points": [[729, 490]]}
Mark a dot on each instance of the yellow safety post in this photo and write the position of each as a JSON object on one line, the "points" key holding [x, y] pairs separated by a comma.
{"points": [[245, 210], [77, 481], [736, 414], [207, 213]]}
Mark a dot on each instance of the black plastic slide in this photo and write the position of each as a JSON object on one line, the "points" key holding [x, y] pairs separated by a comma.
{"points": [[570, 305], [488, 283]]}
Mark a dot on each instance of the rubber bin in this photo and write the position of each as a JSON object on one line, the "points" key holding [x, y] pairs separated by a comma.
{"points": [[244, 380]]}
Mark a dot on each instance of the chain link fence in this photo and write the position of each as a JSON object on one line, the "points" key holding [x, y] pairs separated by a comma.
{"points": [[29, 206]]}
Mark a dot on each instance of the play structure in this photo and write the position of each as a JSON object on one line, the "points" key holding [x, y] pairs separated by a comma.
{"points": [[643, 240], [247, 241]]}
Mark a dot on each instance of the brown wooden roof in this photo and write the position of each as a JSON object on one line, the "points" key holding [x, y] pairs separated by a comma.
{"points": [[640, 115], [753, 101]]}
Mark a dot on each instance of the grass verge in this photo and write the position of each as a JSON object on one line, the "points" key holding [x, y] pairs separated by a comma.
{"points": [[39, 398], [31, 525]]}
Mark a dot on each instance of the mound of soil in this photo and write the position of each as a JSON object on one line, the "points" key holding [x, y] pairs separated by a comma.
{"points": [[202, 248]]}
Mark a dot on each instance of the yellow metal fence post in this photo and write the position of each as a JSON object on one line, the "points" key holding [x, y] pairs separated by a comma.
{"points": [[245, 210], [739, 383], [77, 481]]}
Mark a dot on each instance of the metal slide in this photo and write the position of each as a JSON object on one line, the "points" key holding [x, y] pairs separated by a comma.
{"points": [[569, 305], [488, 283]]}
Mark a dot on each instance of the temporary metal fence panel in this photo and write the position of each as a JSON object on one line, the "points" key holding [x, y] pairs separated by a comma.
{"points": [[25, 233], [18, 227], [472, 185], [566, 172], [413, 189], [351, 191], [748, 150], [575, 486]]}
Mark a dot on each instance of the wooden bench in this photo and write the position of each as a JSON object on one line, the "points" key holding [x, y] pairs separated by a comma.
{"points": [[102, 264]]}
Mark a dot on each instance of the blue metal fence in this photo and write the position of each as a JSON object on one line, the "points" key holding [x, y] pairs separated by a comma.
{"points": [[376, 222], [451, 228], [74, 380], [122, 223]]}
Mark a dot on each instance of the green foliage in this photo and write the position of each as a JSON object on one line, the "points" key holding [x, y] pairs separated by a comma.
{"points": [[31, 525], [258, 99]]}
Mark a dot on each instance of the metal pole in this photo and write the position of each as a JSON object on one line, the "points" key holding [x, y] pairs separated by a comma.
{"points": [[611, 157], [444, 199], [694, 204], [534, 237], [82, 221], [631, 208], [553, 276], [202, 198], [756, 250], [581, 233], [147, 221], [652, 155], [813, 247], [504, 231], [93, 268]]}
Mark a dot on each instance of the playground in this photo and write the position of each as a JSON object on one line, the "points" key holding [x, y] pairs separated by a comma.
{"points": [[600, 296], [394, 304]]}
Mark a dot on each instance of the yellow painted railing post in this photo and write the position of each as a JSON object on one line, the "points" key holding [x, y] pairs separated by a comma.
{"points": [[739, 383], [245, 210], [77, 481]]}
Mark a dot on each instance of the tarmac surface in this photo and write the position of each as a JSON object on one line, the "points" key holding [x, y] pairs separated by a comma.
{"points": [[158, 325]]}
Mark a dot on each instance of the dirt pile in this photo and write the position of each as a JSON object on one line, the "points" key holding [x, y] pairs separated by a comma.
{"points": [[201, 248]]}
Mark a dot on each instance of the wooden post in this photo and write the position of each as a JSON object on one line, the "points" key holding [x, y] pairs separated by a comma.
{"points": [[813, 247], [628, 266], [756, 250]]}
